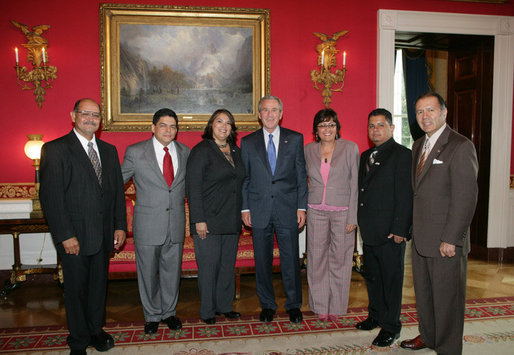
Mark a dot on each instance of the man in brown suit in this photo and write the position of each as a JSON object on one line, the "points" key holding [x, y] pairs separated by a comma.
{"points": [[444, 180]]}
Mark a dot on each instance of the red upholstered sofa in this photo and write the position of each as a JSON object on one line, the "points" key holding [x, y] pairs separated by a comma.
{"points": [[123, 263]]}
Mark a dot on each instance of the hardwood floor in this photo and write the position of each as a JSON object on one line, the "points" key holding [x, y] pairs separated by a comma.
{"points": [[39, 301]]}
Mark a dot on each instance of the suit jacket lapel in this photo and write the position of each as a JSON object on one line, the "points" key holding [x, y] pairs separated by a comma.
{"points": [[283, 146], [77, 150], [416, 151], [260, 149], [337, 155], [316, 161], [181, 169], [104, 159], [218, 152], [151, 158], [434, 153]]}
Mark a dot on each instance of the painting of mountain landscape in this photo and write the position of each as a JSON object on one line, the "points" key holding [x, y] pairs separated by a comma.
{"points": [[190, 69]]}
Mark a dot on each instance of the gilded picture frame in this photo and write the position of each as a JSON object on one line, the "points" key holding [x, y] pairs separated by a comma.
{"points": [[193, 60]]}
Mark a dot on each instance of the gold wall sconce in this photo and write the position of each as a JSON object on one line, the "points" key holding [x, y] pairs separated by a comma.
{"points": [[331, 78], [33, 151], [40, 77]]}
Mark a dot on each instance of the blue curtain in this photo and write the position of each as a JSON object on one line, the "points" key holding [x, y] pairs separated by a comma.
{"points": [[416, 84]]}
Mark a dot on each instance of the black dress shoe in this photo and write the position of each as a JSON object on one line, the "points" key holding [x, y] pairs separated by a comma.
{"points": [[102, 341], [173, 323], [78, 352], [230, 315], [267, 315], [385, 338], [367, 324], [151, 327], [210, 320], [295, 315]]}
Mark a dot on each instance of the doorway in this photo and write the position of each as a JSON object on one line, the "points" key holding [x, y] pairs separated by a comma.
{"points": [[501, 27], [460, 68]]}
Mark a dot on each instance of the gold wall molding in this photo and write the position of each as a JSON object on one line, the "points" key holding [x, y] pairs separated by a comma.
{"points": [[17, 191]]}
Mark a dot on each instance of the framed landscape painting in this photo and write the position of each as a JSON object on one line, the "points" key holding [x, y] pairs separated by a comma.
{"points": [[192, 60]]}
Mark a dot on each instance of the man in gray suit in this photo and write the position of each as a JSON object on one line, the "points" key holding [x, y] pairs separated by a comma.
{"points": [[158, 168], [444, 180], [274, 202]]}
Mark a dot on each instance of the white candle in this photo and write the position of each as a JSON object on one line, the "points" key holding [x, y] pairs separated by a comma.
{"points": [[44, 56], [344, 59], [323, 58], [16, 52]]}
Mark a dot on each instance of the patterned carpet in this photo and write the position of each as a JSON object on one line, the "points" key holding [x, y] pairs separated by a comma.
{"points": [[489, 329]]}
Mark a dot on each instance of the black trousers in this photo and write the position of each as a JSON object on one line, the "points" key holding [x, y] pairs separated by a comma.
{"points": [[216, 258], [383, 271], [85, 291]]}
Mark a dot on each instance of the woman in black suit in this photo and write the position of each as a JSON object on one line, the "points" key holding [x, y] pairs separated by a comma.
{"points": [[214, 179]]}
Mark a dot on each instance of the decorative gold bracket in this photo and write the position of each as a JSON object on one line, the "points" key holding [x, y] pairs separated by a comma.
{"points": [[331, 79], [41, 76]]}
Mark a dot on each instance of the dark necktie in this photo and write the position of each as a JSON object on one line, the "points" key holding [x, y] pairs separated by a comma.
{"points": [[167, 167], [91, 152], [272, 154]]}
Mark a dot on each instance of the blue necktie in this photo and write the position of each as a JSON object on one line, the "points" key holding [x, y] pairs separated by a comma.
{"points": [[272, 154]]}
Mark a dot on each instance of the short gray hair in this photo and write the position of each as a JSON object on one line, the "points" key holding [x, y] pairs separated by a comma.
{"points": [[271, 97]]}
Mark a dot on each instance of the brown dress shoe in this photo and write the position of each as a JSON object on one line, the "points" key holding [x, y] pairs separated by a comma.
{"points": [[413, 344]]}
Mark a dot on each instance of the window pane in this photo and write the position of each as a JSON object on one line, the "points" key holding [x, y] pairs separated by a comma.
{"points": [[400, 119]]}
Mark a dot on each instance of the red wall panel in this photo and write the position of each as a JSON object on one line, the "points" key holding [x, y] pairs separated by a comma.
{"points": [[74, 47]]}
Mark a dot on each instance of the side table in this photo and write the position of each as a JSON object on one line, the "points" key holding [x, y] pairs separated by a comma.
{"points": [[19, 273]]}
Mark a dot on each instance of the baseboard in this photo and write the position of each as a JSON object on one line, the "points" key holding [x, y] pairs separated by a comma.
{"points": [[492, 255]]}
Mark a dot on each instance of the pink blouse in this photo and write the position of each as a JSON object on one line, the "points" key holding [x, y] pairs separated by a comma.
{"points": [[325, 170]]}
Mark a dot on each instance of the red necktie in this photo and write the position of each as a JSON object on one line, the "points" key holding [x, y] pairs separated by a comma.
{"points": [[167, 167]]}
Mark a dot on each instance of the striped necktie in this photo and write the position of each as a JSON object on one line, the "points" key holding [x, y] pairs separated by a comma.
{"points": [[423, 159], [91, 152]]}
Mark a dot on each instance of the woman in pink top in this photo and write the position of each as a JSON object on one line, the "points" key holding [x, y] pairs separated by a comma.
{"points": [[332, 167]]}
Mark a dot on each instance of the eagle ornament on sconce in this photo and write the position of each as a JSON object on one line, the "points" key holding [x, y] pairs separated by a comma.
{"points": [[331, 79], [41, 76]]}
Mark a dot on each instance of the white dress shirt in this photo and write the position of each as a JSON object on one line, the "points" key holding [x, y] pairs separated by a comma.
{"points": [[83, 140], [276, 138], [432, 140], [159, 154]]}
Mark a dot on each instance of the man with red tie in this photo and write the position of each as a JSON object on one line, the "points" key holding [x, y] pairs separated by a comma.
{"points": [[158, 169]]}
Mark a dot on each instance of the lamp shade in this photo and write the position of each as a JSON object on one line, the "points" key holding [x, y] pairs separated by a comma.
{"points": [[33, 146]]}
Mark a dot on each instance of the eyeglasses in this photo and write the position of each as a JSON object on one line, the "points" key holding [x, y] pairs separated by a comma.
{"points": [[89, 114], [327, 125]]}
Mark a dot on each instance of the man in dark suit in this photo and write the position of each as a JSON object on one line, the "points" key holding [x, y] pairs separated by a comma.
{"points": [[83, 199], [158, 168], [274, 202], [385, 219], [444, 180]]}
